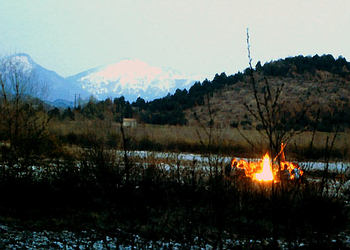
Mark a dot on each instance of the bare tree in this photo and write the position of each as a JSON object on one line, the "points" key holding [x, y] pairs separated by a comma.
{"points": [[277, 117], [210, 138], [20, 120]]}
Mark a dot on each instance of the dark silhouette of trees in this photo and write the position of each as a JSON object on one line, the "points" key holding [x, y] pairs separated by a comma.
{"points": [[170, 109]]}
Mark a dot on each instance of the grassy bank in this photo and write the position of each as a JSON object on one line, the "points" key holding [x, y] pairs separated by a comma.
{"points": [[227, 141], [78, 180], [98, 190]]}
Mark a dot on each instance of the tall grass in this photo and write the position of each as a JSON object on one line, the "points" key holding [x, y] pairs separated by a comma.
{"points": [[180, 201], [91, 186], [185, 139]]}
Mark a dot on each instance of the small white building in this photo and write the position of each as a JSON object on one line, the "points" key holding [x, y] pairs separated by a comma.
{"points": [[129, 123]]}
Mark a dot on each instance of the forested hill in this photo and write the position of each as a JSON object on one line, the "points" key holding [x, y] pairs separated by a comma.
{"points": [[304, 76], [170, 109]]}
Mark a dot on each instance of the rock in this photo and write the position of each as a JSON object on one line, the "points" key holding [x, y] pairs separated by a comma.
{"points": [[3, 228]]}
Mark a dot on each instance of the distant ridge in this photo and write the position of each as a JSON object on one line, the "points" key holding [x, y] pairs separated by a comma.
{"points": [[54, 86], [131, 79], [304, 77], [128, 78], [134, 78]]}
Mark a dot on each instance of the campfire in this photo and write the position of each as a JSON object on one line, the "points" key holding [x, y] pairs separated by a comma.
{"points": [[268, 170]]}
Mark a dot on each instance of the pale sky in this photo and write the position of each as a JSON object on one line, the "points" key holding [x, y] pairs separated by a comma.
{"points": [[201, 37]]}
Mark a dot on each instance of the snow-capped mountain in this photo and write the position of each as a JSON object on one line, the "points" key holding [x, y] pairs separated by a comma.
{"points": [[128, 78], [132, 79], [40, 82]]}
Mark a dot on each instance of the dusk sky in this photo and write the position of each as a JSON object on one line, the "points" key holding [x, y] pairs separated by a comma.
{"points": [[194, 37]]}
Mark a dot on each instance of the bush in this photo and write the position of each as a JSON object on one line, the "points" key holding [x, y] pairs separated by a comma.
{"points": [[167, 203]]}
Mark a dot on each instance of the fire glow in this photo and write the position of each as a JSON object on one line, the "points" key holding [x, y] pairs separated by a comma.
{"points": [[266, 173], [267, 170]]}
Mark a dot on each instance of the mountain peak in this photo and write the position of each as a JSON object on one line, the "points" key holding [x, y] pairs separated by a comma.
{"points": [[21, 55], [127, 71], [22, 61], [131, 78]]}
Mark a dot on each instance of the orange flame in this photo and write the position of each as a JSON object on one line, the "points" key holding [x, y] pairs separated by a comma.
{"points": [[266, 171]]}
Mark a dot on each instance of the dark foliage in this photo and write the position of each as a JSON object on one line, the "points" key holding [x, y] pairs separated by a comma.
{"points": [[183, 99], [170, 109], [301, 64], [163, 204]]}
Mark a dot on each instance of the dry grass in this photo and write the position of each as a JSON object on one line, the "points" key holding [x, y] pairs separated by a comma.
{"points": [[164, 135], [322, 92]]}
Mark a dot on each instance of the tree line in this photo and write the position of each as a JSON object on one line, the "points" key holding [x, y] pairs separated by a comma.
{"points": [[171, 108]]}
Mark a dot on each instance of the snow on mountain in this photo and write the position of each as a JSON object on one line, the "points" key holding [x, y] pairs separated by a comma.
{"points": [[132, 79], [43, 83], [21, 61], [128, 78]]}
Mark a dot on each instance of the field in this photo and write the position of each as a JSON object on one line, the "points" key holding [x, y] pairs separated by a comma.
{"points": [[194, 139], [98, 186]]}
